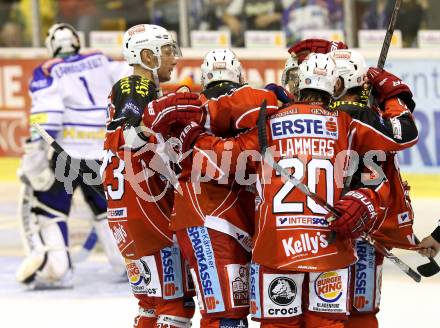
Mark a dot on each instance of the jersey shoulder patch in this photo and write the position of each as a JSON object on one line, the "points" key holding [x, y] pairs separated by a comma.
{"points": [[40, 80]]}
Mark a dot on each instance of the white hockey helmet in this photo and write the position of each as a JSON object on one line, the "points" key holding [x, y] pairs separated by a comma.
{"points": [[318, 71], [146, 36], [220, 65], [351, 68], [62, 39]]}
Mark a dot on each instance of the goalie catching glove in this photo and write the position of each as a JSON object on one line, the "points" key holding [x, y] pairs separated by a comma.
{"points": [[358, 214], [386, 85]]}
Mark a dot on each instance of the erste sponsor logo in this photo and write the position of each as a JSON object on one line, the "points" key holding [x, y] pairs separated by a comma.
{"points": [[304, 125]]}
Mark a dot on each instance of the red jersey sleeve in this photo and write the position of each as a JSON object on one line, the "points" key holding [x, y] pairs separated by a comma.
{"points": [[372, 131], [238, 110], [221, 157]]}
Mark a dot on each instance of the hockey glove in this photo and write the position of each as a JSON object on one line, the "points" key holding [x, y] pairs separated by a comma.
{"points": [[185, 137], [386, 85], [167, 110], [282, 94], [358, 214], [321, 46]]}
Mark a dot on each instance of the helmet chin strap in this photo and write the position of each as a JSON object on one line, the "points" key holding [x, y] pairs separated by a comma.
{"points": [[159, 92], [341, 95]]}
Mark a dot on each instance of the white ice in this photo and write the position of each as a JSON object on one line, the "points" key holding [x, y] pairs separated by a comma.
{"points": [[98, 300]]}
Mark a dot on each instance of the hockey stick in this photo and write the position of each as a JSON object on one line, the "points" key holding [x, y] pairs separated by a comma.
{"points": [[268, 158], [388, 36], [380, 64], [431, 268]]}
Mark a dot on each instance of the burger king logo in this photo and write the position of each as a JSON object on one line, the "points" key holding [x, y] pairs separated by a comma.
{"points": [[328, 286], [134, 273]]}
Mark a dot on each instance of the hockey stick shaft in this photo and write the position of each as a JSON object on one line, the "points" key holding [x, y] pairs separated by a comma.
{"points": [[380, 64], [268, 158], [389, 34]]}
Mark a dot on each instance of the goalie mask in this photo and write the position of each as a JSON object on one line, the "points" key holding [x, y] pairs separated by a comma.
{"points": [[62, 40], [319, 72], [351, 68], [220, 65]]}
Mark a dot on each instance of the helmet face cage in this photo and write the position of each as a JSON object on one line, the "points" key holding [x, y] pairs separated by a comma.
{"points": [[147, 36], [351, 68], [318, 71], [290, 78], [220, 65], [62, 39], [291, 65]]}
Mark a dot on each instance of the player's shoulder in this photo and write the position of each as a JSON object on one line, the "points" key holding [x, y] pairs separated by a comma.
{"points": [[131, 94], [135, 86], [220, 89]]}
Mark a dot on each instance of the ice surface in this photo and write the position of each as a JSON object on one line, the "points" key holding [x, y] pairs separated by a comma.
{"points": [[98, 300]]}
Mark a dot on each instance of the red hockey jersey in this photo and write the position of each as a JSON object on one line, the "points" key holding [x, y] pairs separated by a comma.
{"points": [[221, 203], [291, 231], [140, 201]]}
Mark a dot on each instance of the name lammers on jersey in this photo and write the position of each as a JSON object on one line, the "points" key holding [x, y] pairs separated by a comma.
{"points": [[305, 243], [306, 146], [304, 125]]}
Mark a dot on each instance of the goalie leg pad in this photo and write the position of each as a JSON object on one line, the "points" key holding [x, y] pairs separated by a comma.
{"points": [[48, 264], [44, 233]]}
